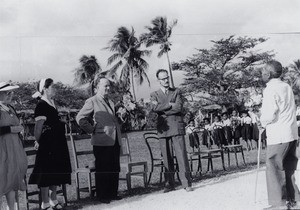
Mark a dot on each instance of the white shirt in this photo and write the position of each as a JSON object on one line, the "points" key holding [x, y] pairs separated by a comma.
{"points": [[246, 120], [278, 113], [253, 116], [227, 122]]}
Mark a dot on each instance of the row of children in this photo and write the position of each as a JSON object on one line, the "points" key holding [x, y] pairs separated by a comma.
{"points": [[226, 129]]}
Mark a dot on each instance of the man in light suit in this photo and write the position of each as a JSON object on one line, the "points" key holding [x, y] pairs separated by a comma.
{"points": [[106, 139], [167, 103]]}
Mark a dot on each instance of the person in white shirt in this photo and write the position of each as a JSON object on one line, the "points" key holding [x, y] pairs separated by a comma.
{"points": [[278, 116], [254, 118], [246, 130], [236, 126], [218, 132], [227, 126]]}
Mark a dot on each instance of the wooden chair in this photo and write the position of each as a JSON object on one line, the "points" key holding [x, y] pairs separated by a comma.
{"points": [[210, 154], [86, 169], [132, 168], [152, 142], [195, 155], [32, 190], [236, 148]]}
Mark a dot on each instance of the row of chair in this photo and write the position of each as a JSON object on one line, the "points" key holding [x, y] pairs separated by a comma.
{"points": [[196, 155], [86, 169], [131, 168]]}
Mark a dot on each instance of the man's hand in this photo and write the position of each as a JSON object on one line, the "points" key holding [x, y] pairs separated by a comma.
{"points": [[154, 102], [16, 129], [172, 104]]}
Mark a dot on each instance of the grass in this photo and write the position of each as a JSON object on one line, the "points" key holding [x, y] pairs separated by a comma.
{"points": [[140, 152]]}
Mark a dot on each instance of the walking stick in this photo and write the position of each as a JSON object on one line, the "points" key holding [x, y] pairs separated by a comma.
{"points": [[258, 161]]}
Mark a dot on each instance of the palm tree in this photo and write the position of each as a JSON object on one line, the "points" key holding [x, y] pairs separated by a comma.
{"points": [[160, 33], [128, 56], [89, 67], [291, 74]]}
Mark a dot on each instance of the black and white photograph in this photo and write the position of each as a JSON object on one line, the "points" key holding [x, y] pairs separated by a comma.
{"points": [[149, 104]]}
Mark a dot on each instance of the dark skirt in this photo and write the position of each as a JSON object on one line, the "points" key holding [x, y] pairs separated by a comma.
{"points": [[236, 132], [255, 132], [228, 133], [219, 136], [194, 140], [247, 132], [52, 163]]}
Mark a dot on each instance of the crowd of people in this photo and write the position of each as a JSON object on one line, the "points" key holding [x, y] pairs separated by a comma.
{"points": [[98, 117], [227, 128]]}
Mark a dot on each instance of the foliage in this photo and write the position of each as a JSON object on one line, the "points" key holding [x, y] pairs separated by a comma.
{"points": [[129, 57], [292, 75], [159, 34], [89, 67], [223, 73], [69, 97], [66, 96]]}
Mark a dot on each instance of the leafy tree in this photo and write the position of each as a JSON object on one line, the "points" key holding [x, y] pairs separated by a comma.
{"points": [[129, 57], [89, 67], [223, 73], [69, 97], [159, 33]]}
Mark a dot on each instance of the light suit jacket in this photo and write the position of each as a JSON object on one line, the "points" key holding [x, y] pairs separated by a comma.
{"points": [[169, 120], [105, 128]]}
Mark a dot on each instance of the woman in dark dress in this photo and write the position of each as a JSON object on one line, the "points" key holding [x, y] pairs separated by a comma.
{"points": [[52, 164]]}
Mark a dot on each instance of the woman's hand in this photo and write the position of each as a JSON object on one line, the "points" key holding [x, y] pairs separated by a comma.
{"points": [[36, 145], [16, 129]]}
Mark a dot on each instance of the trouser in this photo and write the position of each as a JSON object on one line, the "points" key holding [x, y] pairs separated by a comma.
{"points": [[107, 163], [281, 164], [181, 156]]}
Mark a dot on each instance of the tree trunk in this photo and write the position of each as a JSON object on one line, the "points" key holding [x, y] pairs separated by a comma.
{"points": [[170, 71], [132, 83]]}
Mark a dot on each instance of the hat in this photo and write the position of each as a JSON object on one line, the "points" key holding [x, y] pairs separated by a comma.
{"points": [[5, 86]]}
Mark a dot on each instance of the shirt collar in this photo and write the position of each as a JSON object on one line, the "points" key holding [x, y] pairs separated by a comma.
{"points": [[274, 80], [51, 102], [164, 89]]}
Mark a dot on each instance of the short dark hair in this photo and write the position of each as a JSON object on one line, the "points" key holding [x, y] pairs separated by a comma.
{"points": [[159, 71], [276, 68], [47, 84]]}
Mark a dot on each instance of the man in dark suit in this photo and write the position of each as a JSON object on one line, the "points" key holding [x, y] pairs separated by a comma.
{"points": [[167, 103], [106, 139]]}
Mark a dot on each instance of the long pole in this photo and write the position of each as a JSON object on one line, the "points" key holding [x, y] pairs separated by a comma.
{"points": [[258, 161]]}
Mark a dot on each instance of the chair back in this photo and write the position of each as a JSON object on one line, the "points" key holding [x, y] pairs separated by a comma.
{"points": [[79, 148], [152, 142], [125, 148]]}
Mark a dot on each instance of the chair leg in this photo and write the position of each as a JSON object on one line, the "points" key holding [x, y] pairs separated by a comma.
{"points": [[145, 175], [228, 153], [241, 148], [161, 172], [222, 157], [199, 163], [191, 163], [236, 159], [128, 179], [64, 189], [150, 173], [77, 186], [90, 185]]}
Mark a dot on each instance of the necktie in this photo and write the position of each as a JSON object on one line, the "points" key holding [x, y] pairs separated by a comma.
{"points": [[166, 91]]}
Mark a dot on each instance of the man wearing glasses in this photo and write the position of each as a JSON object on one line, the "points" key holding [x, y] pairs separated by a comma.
{"points": [[167, 103]]}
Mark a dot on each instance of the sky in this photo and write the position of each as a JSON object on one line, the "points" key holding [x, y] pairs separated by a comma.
{"points": [[46, 38]]}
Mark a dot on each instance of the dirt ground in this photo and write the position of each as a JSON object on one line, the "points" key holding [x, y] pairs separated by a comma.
{"points": [[236, 191]]}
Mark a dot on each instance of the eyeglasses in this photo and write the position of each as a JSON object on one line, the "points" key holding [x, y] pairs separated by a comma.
{"points": [[166, 78]]}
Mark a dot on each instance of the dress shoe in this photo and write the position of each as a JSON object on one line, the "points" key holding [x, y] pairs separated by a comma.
{"points": [[292, 205], [107, 201], [117, 198], [168, 189], [188, 189], [271, 207]]}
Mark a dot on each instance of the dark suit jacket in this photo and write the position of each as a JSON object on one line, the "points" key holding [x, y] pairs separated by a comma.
{"points": [[105, 128], [169, 120]]}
